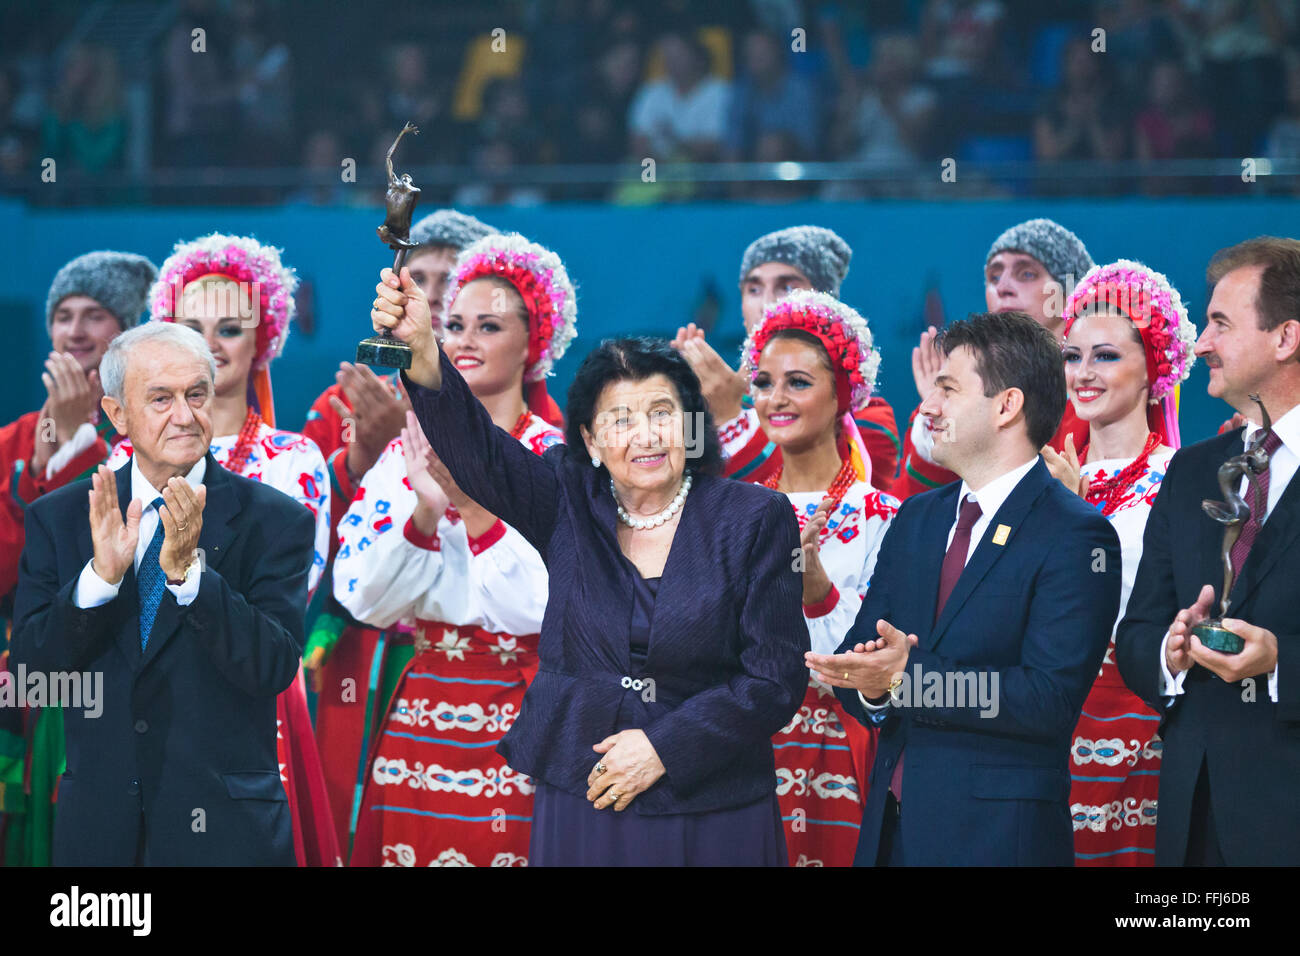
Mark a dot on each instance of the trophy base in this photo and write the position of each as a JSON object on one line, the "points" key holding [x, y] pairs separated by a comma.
{"points": [[1218, 638], [384, 351]]}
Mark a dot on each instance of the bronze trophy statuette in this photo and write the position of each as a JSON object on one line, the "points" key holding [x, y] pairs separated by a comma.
{"points": [[384, 349], [1233, 513]]}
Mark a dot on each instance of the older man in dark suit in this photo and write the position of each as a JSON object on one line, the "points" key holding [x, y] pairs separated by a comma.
{"points": [[185, 586], [1231, 728]]}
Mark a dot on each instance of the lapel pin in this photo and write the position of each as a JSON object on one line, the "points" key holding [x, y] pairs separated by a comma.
{"points": [[1000, 536]]}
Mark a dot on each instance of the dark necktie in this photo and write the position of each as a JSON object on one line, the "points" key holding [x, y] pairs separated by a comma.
{"points": [[1258, 511], [150, 580], [954, 560]]}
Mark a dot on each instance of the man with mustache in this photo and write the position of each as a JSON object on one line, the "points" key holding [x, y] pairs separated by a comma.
{"points": [[1231, 721], [184, 585]]}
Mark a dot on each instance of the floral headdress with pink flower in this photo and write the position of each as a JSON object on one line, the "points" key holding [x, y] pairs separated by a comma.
{"points": [[539, 277], [1156, 310], [848, 342], [837, 326], [1153, 306], [266, 285]]}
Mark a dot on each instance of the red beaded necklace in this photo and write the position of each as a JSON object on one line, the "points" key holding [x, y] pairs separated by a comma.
{"points": [[1110, 492], [244, 443], [839, 487], [521, 426]]}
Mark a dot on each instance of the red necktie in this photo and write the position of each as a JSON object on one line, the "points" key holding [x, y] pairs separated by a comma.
{"points": [[1258, 512], [954, 560]]}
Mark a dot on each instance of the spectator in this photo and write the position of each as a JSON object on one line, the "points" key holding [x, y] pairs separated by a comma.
{"points": [[684, 114], [86, 125], [199, 112], [495, 161], [1284, 137], [411, 94], [1241, 45], [769, 99], [16, 139], [1133, 29], [895, 113], [600, 123], [508, 117], [1079, 121], [263, 74], [1175, 124], [322, 156], [957, 37]]}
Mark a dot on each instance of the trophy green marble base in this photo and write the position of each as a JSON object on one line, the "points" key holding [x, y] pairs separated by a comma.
{"points": [[384, 350], [1218, 638]]}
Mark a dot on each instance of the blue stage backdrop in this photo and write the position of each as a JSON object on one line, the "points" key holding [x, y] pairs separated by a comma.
{"points": [[639, 270]]}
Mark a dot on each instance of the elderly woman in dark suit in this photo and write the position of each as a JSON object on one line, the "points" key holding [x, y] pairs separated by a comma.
{"points": [[672, 645]]}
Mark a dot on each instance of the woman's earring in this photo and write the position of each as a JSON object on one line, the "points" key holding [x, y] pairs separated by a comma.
{"points": [[595, 462]]}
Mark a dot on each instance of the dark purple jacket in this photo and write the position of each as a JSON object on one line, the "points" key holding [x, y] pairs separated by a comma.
{"points": [[725, 669]]}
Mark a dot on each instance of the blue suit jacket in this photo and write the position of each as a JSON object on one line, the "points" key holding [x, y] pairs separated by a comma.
{"points": [[189, 723], [727, 637], [1250, 745], [1036, 611]]}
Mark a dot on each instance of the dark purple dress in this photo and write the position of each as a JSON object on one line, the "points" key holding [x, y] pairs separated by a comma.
{"points": [[568, 831]]}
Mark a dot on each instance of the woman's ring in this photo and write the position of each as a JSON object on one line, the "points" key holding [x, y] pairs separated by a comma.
{"points": [[613, 796], [846, 676], [600, 768]]}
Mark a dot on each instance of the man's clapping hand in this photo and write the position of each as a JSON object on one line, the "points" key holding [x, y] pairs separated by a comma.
{"points": [[71, 401], [182, 520], [114, 540], [869, 667]]}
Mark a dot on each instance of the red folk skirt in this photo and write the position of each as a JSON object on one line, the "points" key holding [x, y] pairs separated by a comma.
{"points": [[1115, 773], [438, 793], [314, 840], [823, 764]]}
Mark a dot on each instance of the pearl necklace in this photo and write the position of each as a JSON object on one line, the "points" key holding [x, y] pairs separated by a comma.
{"points": [[640, 524]]}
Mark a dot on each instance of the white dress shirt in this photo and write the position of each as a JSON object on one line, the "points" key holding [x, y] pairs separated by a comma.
{"points": [[93, 591], [990, 499], [1281, 469]]}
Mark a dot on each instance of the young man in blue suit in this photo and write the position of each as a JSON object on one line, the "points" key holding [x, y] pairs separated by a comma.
{"points": [[985, 623], [184, 586]]}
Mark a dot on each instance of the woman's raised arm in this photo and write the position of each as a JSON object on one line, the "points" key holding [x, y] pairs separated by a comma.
{"points": [[487, 463]]}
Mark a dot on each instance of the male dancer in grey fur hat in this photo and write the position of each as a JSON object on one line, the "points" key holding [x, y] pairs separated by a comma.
{"points": [[1032, 268], [92, 299]]}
